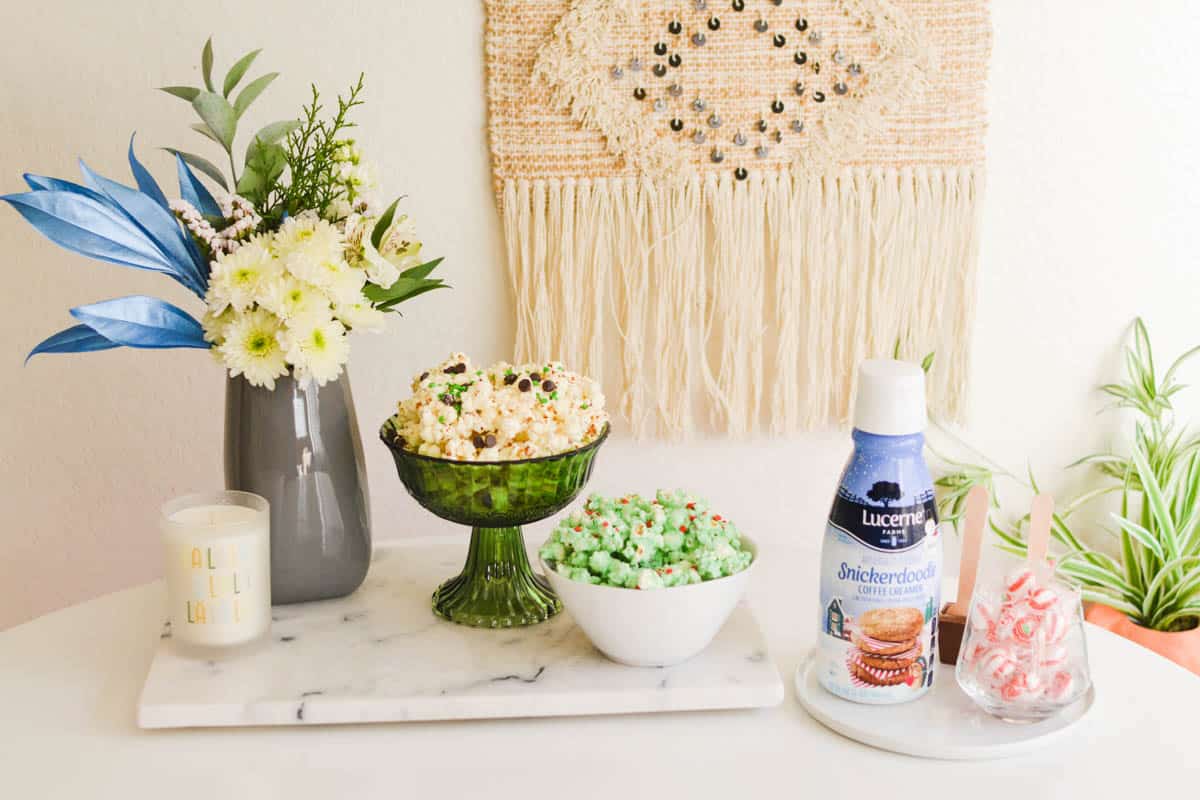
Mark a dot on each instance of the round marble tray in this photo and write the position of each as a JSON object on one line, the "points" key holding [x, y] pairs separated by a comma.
{"points": [[942, 724]]}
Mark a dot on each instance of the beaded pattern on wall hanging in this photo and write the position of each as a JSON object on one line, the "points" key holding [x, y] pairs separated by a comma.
{"points": [[740, 199]]}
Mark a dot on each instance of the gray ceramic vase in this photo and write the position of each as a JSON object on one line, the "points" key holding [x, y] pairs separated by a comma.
{"points": [[298, 446]]}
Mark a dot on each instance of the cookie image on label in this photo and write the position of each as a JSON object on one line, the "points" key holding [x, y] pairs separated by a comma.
{"points": [[887, 643]]}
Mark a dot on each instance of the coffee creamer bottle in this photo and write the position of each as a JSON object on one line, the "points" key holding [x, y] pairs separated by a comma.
{"points": [[881, 560]]}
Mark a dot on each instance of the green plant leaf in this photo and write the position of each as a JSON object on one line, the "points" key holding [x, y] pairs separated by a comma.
{"points": [[202, 129], [1158, 507], [182, 92], [203, 164], [1144, 537], [251, 91], [384, 222], [421, 270], [218, 116], [1167, 623], [262, 170], [238, 70], [1169, 378], [270, 134], [927, 362], [206, 64], [1125, 607], [402, 290], [1096, 576]]}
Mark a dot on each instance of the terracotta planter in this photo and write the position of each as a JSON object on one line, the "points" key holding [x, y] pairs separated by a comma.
{"points": [[1183, 648]]}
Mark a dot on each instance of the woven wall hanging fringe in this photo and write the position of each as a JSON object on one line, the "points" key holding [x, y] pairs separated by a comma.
{"points": [[721, 206]]}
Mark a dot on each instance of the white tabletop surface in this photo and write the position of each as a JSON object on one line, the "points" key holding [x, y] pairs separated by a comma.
{"points": [[69, 685]]}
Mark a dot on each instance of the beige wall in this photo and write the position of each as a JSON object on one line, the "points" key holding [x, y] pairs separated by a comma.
{"points": [[1091, 219]]}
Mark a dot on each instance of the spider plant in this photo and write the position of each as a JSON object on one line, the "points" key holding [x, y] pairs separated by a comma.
{"points": [[1154, 578]]}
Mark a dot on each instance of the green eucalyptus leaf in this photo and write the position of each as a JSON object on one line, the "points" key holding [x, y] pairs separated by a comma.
{"points": [[238, 70], [203, 164], [202, 129], [206, 64], [182, 92], [251, 92], [270, 134], [385, 222], [218, 116], [264, 164]]}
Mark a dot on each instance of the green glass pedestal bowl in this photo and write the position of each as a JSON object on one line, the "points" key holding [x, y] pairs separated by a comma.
{"points": [[497, 588]]}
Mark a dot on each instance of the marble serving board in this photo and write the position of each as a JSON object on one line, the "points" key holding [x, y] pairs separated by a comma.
{"points": [[380, 655]]}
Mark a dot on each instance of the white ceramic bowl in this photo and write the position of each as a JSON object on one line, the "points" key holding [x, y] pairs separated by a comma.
{"points": [[656, 627]]}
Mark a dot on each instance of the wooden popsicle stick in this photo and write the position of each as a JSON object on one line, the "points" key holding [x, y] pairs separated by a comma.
{"points": [[1039, 530], [968, 565]]}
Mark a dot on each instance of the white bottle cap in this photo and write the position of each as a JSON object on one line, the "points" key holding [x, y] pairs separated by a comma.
{"points": [[891, 398]]}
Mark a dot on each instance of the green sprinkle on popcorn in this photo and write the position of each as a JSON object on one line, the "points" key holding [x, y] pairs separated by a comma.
{"points": [[636, 543]]}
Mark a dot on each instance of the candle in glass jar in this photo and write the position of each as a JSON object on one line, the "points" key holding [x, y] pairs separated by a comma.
{"points": [[218, 569]]}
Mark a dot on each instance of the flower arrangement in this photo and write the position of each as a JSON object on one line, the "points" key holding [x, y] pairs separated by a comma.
{"points": [[1153, 573], [292, 255]]}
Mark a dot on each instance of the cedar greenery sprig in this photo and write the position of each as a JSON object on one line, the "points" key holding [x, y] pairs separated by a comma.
{"points": [[1156, 579], [310, 155]]}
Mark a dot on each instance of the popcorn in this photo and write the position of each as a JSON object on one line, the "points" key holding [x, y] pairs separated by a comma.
{"points": [[502, 413], [635, 543]]}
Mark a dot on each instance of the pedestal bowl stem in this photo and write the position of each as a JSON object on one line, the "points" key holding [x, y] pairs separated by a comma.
{"points": [[497, 588]]}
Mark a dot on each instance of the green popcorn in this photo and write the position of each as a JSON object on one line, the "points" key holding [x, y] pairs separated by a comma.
{"points": [[619, 573], [639, 543], [599, 562], [553, 550]]}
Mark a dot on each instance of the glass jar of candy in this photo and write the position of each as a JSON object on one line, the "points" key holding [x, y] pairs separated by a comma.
{"points": [[1023, 656]]}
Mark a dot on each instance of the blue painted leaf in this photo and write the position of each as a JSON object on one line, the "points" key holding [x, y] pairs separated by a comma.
{"points": [[79, 339], [156, 222], [145, 181], [193, 191], [43, 183], [91, 228], [140, 321]]}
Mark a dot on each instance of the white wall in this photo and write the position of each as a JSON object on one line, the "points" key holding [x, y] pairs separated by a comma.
{"points": [[1090, 220]]}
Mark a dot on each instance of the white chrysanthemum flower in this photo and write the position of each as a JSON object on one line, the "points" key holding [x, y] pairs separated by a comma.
{"points": [[217, 324], [236, 278], [306, 238], [288, 297], [252, 348], [361, 317], [317, 348]]}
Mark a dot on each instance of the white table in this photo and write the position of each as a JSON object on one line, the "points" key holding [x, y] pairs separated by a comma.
{"points": [[69, 684]]}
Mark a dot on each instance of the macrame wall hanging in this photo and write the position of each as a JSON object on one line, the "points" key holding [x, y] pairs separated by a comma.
{"points": [[721, 206]]}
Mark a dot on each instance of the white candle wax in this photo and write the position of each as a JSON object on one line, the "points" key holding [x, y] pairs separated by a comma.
{"points": [[218, 563]]}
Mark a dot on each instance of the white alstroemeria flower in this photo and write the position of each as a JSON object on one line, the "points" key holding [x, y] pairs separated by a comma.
{"points": [[380, 270], [401, 238], [236, 278], [252, 348], [317, 348], [361, 317]]}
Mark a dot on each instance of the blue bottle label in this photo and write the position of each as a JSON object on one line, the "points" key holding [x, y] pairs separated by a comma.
{"points": [[881, 566]]}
